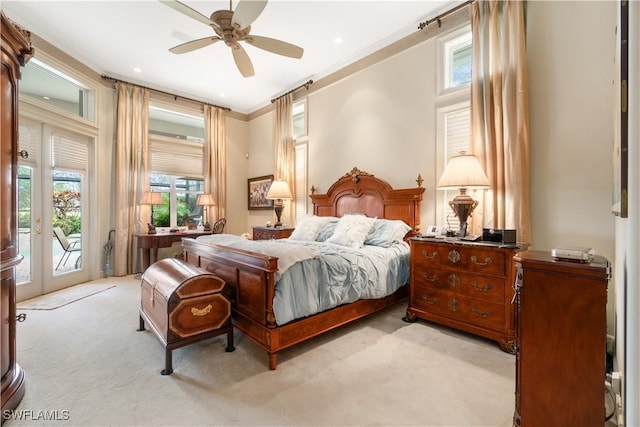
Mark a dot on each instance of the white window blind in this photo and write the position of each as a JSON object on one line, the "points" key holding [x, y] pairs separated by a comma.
{"points": [[302, 187], [178, 158], [457, 125], [69, 153], [29, 137]]}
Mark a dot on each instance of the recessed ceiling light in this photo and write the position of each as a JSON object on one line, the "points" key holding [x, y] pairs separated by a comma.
{"points": [[222, 95], [137, 70], [46, 97], [338, 40]]}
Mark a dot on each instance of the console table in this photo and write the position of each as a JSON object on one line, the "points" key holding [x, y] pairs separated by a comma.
{"points": [[148, 244]]}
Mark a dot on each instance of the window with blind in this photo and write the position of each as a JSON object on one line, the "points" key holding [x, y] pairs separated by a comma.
{"points": [[454, 132], [301, 146], [176, 149], [302, 185]]}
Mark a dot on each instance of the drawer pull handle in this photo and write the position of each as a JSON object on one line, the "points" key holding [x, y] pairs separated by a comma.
{"points": [[430, 300], [454, 256], [201, 312], [485, 314], [487, 260], [433, 278], [454, 305], [453, 280], [485, 288], [432, 256]]}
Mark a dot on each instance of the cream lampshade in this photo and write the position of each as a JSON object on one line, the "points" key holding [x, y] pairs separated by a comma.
{"points": [[463, 171], [151, 198], [205, 200], [278, 192]]}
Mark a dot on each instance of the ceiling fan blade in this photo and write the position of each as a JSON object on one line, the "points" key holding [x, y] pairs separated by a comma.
{"points": [[246, 12], [242, 61], [275, 46], [193, 45], [192, 13]]}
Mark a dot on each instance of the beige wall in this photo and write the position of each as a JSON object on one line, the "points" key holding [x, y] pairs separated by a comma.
{"points": [[571, 104]]}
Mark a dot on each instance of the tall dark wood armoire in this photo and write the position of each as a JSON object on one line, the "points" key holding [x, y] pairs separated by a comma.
{"points": [[561, 342], [16, 51]]}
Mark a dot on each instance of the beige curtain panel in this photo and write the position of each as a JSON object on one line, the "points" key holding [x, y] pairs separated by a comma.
{"points": [[215, 161], [132, 174], [500, 115], [285, 152]]}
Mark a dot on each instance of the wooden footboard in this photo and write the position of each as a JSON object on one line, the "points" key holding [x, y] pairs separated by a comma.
{"points": [[251, 276]]}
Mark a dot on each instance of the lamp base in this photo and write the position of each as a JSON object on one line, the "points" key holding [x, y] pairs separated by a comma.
{"points": [[278, 209], [463, 205]]}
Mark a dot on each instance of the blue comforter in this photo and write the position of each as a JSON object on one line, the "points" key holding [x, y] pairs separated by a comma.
{"points": [[338, 275]]}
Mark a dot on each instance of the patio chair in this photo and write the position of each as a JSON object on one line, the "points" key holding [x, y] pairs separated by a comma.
{"points": [[68, 247]]}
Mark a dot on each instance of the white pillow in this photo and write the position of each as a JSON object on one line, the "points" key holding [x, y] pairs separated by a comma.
{"points": [[386, 232], [308, 227], [351, 231]]}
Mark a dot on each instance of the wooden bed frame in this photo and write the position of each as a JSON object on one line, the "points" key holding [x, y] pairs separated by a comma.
{"points": [[252, 274]]}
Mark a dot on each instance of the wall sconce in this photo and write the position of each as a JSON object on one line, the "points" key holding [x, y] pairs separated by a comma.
{"points": [[278, 192], [463, 171], [151, 198], [205, 200]]}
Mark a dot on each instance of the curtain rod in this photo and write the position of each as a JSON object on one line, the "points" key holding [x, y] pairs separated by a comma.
{"points": [[304, 85], [166, 93], [437, 19]]}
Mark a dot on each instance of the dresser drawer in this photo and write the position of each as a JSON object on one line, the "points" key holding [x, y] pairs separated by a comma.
{"points": [[476, 259], [488, 288], [269, 233], [477, 312]]}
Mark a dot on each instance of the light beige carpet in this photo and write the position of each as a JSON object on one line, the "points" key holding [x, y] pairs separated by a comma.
{"points": [[63, 297], [87, 361]]}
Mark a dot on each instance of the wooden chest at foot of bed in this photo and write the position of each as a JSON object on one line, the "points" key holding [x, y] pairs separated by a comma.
{"points": [[184, 304]]}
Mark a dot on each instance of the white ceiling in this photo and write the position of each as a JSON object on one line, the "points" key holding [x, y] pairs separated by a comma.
{"points": [[114, 37]]}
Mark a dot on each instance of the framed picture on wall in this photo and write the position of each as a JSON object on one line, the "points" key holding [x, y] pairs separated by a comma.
{"points": [[621, 137], [258, 189]]}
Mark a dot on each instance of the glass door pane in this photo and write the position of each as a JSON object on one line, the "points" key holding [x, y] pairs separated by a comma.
{"points": [[24, 272], [67, 222]]}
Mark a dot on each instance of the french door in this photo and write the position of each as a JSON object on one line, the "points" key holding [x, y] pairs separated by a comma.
{"points": [[53, 208]]}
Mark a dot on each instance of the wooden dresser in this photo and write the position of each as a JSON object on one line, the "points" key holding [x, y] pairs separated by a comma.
{"points": [[560, 358], [464, 285], [268, 233], [16, 51]]}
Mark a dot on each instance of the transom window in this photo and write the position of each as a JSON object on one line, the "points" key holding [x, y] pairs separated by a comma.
{"points": [[455, 60], [57, 89]]}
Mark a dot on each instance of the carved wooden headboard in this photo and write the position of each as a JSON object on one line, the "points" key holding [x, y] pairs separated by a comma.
{"points": [[361, 192]]}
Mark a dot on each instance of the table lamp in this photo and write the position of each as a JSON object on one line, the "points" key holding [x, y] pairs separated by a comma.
{"points": [[463, 171], [205, 200], [278, 192], [151, 198]]}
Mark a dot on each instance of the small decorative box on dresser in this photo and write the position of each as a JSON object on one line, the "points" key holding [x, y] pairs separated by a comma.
{"points": [[269, 233], [464, 285], [562, 324]]}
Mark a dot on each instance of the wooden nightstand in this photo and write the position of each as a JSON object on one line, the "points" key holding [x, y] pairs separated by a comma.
{"points": [[464, 285], [269, 233]]}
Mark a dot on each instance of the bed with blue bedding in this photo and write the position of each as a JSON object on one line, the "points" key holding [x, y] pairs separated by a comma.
{"points": [[347, 260]]}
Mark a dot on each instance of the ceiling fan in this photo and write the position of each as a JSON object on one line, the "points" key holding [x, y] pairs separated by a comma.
{"points": [[234, 27]]}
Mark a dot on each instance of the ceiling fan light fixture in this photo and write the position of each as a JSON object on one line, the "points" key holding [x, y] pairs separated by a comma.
{"points": [[232, 28]]}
